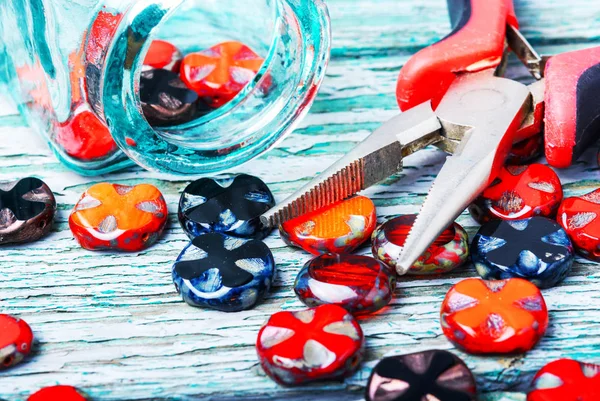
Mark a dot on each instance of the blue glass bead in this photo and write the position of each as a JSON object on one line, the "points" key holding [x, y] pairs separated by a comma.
{"points": [[224, 273], [536, 249], [232, 207]]}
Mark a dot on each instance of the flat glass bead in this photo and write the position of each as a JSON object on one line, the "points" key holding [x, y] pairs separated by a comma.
{"points": [[359, 284], [119, 217], [519, 192], [218, 74], [232, 207], [16, 339], [338, 228], [58, 393], [535, 249], [322, 343], [84, 136], [428, 375], [163, 55], [526, 151], [27, 209], [224, 273], [165, 98], [566, 380], [449, 250], [494, 317], [579, 216]]}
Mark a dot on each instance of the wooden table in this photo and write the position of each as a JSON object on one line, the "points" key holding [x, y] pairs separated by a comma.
{"points": [[112, 324]]}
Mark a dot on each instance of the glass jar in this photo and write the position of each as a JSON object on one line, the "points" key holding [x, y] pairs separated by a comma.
{"points": [[73, 67]]}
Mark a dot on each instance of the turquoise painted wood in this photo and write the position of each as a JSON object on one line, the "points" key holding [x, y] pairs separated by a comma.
{"points": [[112, 324]]}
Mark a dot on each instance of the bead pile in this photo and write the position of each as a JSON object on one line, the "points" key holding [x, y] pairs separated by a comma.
{"points": [[226, 265]]}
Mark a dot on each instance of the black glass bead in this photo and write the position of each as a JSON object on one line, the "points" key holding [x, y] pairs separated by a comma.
{"points": [[165, 98], [224, 273], [27, 208], [429, 375], [535, 249], [232, 207]]}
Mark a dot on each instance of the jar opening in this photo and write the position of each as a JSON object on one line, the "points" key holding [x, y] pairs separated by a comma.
{"points": [[198, 36]]}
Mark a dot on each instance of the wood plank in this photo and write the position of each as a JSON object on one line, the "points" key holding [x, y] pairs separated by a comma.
{"points": [[114, 325]]}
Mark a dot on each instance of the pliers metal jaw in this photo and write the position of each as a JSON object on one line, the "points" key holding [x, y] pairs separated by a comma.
{"points": [[471, 122]]}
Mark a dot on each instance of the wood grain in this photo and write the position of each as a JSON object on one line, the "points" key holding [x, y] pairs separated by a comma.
{"points": [[112, 324]]}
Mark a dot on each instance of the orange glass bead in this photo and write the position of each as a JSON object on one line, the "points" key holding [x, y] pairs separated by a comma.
{"points": [[112, 216], [221, 72], [339, 228], [497, 316]]}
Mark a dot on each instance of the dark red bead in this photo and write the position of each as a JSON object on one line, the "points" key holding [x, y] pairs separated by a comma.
{"points": [[526, 151], [449, 250], [16, 339], [27, 209], [580, 217], [58, 393], [494, 317], [120, 217], [519, 192], [423, 376], [321, 343], [566, 380], [359, 284], [339, 228]]}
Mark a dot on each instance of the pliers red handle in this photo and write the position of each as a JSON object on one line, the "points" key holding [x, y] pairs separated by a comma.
{"points": [[477, 42], [572, 105]]}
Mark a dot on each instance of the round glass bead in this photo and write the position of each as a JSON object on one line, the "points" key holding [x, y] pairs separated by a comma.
{"points": [[449, 250], [359, 284], [535, 249]]}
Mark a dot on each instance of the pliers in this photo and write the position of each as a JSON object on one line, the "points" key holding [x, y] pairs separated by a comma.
{"points": [[453, 96]]}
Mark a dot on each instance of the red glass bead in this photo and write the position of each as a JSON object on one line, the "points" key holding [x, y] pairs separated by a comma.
{"points": [[519, 192], [497, 316], [101, 35], [339, 228], [84, 136], [112, 216], [321, 343], [359, 284], [526, 151], [162, 55], [450, 249], [578, 215], [15, 340], [566, 380], [221, 72], [58, 393]]}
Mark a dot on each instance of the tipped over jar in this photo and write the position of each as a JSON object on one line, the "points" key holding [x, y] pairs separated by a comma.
{"points": [[75, 70]]}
